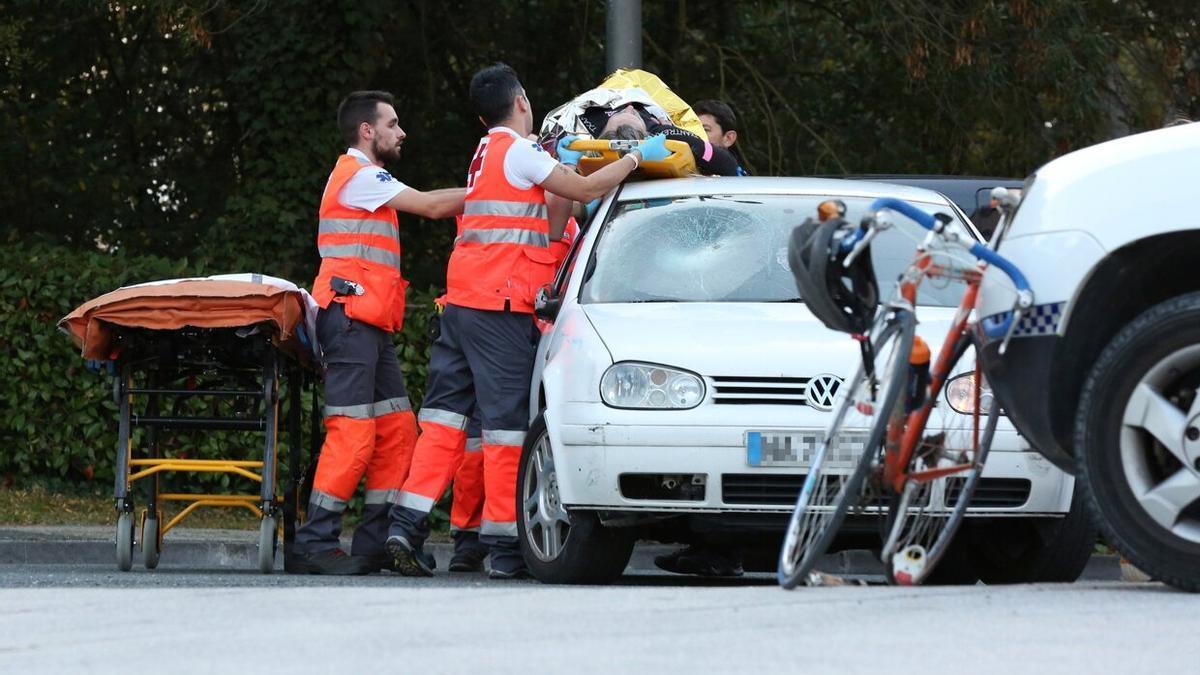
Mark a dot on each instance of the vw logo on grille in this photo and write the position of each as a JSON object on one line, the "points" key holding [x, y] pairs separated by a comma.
{"points": [[821, 391]]}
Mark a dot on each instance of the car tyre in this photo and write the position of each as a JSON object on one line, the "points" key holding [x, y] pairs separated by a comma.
{"points": [[1032, 550], [561, 546], [1153, 362]]}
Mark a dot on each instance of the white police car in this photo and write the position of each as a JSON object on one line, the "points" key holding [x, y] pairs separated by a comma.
{"points": [[1103, 374], [683, 386]]}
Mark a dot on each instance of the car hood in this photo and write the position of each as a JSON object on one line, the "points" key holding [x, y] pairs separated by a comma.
{"points": [[735, 339]]}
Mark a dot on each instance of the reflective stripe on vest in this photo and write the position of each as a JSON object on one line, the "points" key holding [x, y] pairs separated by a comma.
{"points": [[364, 251], [504, 235], [496, 207], [501, 255]]}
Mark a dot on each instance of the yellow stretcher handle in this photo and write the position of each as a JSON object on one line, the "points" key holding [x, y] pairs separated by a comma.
{"points": [[678, 164]]}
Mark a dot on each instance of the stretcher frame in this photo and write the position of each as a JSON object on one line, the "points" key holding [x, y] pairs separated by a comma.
{"points": [[163, 358], [601, 153]]}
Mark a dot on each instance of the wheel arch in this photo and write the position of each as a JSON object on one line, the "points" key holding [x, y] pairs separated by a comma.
{"points": [[1121, 286]]}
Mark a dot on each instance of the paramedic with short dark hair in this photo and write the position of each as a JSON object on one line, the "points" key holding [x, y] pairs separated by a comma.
{"points": [[483, 358], [369, 423]]}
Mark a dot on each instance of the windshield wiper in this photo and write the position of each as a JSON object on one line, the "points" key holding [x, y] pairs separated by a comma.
{"points": [[720, 198]]}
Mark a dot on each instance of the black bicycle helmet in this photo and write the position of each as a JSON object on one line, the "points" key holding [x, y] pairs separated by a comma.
{"points": [[843, 298]]}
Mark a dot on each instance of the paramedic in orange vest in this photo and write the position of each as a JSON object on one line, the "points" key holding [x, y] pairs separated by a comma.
{"points": [[466, 509], [369, 423], [483, 358]]}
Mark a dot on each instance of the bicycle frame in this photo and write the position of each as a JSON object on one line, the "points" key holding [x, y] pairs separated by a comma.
{"points": [[904, 430]]}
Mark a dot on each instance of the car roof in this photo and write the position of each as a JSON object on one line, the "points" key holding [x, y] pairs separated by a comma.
{"points": [[766, 185]]}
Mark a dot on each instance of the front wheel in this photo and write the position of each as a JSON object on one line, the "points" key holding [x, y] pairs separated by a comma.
{"points": [[268, 540], [561, 546], [835, 480], [1137, 442]]}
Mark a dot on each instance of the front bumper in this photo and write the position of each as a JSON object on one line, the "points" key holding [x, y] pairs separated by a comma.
{"points": [[1022, 382], [590, 460]]}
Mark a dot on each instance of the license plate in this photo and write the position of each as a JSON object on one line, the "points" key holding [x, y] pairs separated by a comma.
{"points": [[798, 447]]}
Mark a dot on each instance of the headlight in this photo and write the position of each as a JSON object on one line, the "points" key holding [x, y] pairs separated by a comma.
{"points": [[645, 385], [960, 394]]}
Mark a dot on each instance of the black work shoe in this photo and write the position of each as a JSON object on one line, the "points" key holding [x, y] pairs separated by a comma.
{"points": [[704, 562], [333, 562], [405, 559], [505, 575], [384, 561], [468, 560]]}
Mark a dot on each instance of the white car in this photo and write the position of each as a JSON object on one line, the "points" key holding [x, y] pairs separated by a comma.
{"points": [[1103, 376], [683, 386]]}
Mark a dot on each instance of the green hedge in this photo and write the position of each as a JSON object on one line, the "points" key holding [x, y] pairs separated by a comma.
{"points": [[60, 422]]}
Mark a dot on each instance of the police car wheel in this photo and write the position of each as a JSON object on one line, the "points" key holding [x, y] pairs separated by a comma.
{"points": [[560, 546], [1137, 441]]}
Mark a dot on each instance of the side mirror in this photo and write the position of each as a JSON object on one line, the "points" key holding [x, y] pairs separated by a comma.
{"points": [[546, 305]]}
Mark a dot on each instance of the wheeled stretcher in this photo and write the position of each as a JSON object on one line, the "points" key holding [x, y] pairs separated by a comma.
{"points": [[202, 354]]}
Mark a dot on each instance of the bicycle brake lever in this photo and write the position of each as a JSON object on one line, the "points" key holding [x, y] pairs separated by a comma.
{"points": [[859, 247]]}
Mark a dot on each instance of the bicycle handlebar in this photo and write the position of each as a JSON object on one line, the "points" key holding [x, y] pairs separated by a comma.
{"points": [[993, 328]]}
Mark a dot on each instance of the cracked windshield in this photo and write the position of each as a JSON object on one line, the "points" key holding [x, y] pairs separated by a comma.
{"points": [[732, 248]]}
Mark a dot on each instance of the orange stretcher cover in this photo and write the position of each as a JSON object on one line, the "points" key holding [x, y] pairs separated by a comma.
{"points": [[203, 303]]}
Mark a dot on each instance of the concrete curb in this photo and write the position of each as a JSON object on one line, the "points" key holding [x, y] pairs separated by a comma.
{"points": [[238, 550]]}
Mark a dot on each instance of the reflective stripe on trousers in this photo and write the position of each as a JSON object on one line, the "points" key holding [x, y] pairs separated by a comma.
{"points": [[495, 529], [382, 496], [416, 502], [370, 410], [503, 437], [326, 501], [445, 418]]}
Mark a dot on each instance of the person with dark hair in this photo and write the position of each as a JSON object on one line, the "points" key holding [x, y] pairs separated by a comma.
{"points": [[482, 360], [637, 122], [720, 124], [370, 427]]}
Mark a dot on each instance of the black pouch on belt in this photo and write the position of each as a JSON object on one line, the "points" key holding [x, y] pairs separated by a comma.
{"points": [[342, 286]]}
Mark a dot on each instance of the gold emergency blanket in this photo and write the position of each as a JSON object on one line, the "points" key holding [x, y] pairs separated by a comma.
{"points": [[680, 112]]}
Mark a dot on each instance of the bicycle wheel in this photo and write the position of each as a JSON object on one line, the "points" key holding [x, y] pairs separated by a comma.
{"points": [[852, 444], [923, 517]]}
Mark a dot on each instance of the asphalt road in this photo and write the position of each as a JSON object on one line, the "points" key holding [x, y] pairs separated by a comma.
{"points": [[58, 618]]}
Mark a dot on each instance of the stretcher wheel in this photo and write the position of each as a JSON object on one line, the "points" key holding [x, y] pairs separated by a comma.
{"points": [[268, 539], [150, 542], [125, 541]]}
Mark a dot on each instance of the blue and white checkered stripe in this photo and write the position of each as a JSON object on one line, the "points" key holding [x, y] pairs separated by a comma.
{"points": [[1040, 320]]}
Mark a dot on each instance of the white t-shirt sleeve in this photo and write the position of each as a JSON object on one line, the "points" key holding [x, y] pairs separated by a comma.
{"points": [[526, 164], [370, 188]]}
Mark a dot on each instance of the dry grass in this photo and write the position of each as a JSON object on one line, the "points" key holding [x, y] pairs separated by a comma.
{"points": [[38, 506]]}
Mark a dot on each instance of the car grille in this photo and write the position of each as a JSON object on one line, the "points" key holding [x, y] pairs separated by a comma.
{"points": [[782, 489], [993, 493], [765, 489], [760, 390]]}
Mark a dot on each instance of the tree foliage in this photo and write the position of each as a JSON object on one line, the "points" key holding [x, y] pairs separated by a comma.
{"points": [[203, 131], [205, 128]]}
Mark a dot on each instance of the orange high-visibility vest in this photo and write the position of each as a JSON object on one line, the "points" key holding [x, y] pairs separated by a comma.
{"points": [[502, 255], [362, 247]]}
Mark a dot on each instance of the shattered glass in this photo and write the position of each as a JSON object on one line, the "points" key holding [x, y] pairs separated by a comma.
{"points": [[730, 248]]}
